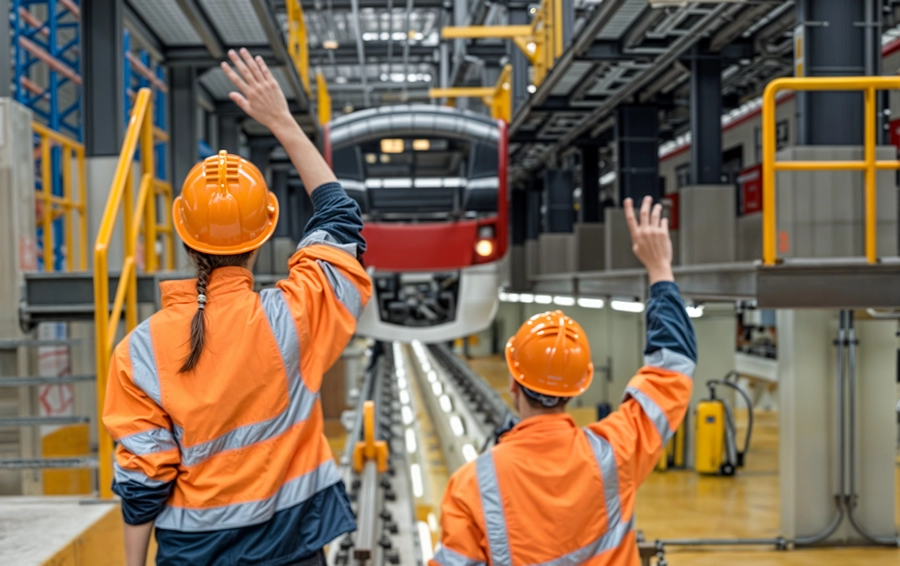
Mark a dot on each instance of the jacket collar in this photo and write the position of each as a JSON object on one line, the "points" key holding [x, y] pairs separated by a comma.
{"points": [[222, 281], [541, 424]]}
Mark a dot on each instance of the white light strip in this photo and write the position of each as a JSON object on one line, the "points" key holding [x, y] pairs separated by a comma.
{"points": [[425, 541], [410, 441], [526, 298], [407, 414], [456, 425], [627, 306], [469, 452], [415, 475], [404, 397], [695, 312], [436, 388], [564, 301], [446, 405], [543, 299], [432, 523], [586, 303]]}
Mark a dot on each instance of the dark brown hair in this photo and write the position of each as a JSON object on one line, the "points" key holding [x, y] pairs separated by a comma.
{"points": [[206, 264]]}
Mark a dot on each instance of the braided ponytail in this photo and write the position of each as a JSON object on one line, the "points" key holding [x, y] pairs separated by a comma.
{"points": [[206, 264]]}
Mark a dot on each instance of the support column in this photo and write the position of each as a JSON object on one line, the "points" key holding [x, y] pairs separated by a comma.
{"points": [[518, 211], [518, 17], [229, 137], [559, 186], [533, 228], [838, 39], [590, 183], [460, 18], [183, 128], [5, 52], [637, 146], [706, 119], [104, 112]]}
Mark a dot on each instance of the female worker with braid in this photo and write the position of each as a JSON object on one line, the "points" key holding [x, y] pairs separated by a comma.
{"points": [[213, 400]]}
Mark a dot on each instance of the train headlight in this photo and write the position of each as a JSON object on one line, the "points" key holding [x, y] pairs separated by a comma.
{"points": [[484, 247]]}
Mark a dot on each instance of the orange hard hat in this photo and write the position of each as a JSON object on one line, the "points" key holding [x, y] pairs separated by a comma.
{"points": [[225, 207], [550, 355]]}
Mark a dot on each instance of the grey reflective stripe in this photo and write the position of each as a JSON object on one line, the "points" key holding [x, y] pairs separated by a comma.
{"points": [[611, 539], [323, 237], [446, 557], [148, 441], [653, 412], [606, 461], [672, 361], [492, 505], [121, 475], [292, 493], [143, 362], [300, 399], [344, 290]]}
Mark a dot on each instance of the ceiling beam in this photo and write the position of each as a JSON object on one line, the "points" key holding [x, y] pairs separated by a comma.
{"points": [[199, 57], [142, 32], [203, 28]]}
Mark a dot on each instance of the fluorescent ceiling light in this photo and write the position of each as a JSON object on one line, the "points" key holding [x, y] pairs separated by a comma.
{"points": [[627, 306], [410, 441], [330, 44], [469, 452], [526, 298], [543, 299], [425, 547], [407, 414], [436, 388], [456, 425], [564, 301], [590, 303], [695, 312], [404, 397], [391, 145], [446, 405], [421, 145], [415, 474]]}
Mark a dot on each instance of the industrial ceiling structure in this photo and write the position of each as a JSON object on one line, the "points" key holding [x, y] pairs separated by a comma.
{"points": [[379, 52]]}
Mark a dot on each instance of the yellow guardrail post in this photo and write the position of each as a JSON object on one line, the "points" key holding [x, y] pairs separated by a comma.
{"points": [[298, 42], [139, 218], [870, 165], [498, 97], [323, 103]]}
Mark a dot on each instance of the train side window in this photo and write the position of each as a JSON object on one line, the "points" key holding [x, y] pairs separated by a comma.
{"points": [[683, 175], [782, 137]]}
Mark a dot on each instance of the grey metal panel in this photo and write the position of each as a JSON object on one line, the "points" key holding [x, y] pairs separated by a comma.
{"points": [[557, 253], [167, 21], [626, 15], [844, 284], [235, 21], [707, 224], [590, 246], [572, 77]]}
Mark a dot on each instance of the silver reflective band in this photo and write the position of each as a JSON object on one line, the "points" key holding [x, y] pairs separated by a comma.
{"points": [[148, 441], [653, 412], [446, 557], [606, 461], [492, 505], [613, 538], [672, 361], [300, 399], [323, 237], [345, 291], [143, 362], [292, 493], [121, 475]]}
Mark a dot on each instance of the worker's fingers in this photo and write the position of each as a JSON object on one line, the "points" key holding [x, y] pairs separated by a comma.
{"points": [[235, 77], [645, 211], [267, 74], [251, 64], [655, 215], [629, 217], [664, 224], [241, 67], [240, 100]]}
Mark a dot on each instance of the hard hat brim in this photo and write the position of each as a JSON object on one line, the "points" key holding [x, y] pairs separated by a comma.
{"points": [[242, 248]]}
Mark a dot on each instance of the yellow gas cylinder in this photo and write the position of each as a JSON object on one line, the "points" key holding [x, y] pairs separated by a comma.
{"points": [[710, 436]]}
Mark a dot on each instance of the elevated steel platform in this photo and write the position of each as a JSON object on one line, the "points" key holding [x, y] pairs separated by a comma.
{"points": [[832, 283]]}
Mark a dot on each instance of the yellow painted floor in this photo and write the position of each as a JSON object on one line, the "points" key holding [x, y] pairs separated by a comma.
{"points": [[682, 504]]}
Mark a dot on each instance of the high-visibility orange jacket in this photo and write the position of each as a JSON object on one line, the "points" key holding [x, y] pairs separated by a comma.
{"points": [[230, 459], [552, 493]]}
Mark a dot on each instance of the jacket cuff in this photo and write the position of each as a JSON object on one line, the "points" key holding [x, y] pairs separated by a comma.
{"points": [[140, 503], [325, 193], [661, 288]]}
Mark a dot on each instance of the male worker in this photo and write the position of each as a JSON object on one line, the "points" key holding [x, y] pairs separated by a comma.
{"points": [[550, 492]]}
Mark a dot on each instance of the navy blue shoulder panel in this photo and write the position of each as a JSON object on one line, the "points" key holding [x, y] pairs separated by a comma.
{"points": [[290, 535], [668, 324], [337, 214]]}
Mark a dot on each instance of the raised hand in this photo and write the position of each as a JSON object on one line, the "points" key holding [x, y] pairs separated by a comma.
{"points": [[260, 95], [650, 239]]}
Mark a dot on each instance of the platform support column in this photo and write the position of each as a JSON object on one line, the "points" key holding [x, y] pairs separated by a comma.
{"points": [[518, 16], [228, 131], [637, 146], [183, 128], [808, 446], [5, 51], [590, 183], [836, 38], [706, 122], [559, 186]]}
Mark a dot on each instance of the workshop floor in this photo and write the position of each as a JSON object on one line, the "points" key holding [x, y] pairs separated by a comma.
{"points": [[682, 504]]}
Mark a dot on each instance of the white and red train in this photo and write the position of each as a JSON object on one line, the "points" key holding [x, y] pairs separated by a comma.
{"points": [[432, 184]]}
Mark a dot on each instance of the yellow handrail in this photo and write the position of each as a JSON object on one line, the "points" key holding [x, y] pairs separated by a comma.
{"points": [[66, 206], [870, 165], [138, 219], [298, 43]]}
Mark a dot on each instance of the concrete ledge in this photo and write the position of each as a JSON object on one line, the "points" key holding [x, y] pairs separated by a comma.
{"points": [[60, 531]]}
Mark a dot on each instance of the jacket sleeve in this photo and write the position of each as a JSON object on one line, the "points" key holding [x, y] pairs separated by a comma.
{"points": [[463, 542], [146, 456], [327, 287], [656, 399]]}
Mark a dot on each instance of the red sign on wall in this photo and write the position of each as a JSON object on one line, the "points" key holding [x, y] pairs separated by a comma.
{"points": [[670, 201], [751, 189], [894, 126]]}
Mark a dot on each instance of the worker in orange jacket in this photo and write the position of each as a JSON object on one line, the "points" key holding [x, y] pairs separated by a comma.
{"points": [[214, 400], [551, 492]]}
